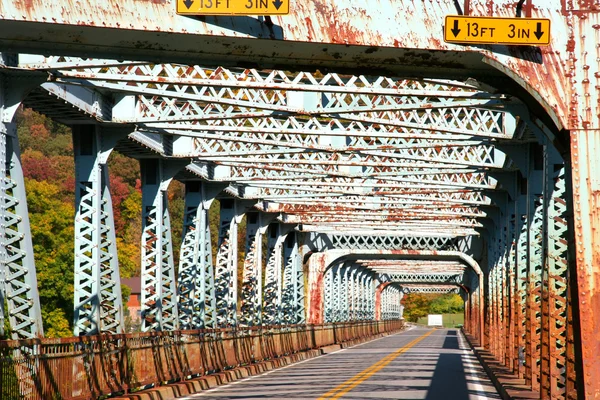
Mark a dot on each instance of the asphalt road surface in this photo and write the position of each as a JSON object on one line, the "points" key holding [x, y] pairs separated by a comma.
{"points": [[418, 363]]}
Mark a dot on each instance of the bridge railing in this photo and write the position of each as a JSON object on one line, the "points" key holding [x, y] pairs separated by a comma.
{"points": [[92, 366]]}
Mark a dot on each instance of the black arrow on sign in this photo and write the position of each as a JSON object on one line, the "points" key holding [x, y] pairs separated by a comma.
{"points": [[188, 3], [538, 31], [455, 30], [277, 4]]}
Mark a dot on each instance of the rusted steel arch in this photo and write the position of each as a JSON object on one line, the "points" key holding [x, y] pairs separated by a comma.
{"points": [[340, 36], [318, 263]]}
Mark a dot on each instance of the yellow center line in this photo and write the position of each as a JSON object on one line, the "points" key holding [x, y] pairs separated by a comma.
{"points": [[362, 376]]}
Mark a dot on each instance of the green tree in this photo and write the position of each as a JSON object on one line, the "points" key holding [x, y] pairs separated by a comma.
{"points": [[447, 304]]}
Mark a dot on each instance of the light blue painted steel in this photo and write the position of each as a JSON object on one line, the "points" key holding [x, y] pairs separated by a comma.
{"points": [[273, 276], [288, 306], [195, 280], [557, 284], [159, 303], [98, 306], [227, 265], [298, 277], [18, 285], [329, 294], [345, 293], [252, 285]]}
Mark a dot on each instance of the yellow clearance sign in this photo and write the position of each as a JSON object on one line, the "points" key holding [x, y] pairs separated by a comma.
{"points": [[491, 30], [233, 7]]}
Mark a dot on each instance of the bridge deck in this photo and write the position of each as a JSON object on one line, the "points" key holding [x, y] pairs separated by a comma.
{"points": [[415, 364]]}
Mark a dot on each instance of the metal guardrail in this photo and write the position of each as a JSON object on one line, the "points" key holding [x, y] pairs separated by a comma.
{"points": [[92, 366]]}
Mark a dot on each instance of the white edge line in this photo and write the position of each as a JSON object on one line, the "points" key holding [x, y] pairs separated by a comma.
{"points": [[481, 392]]}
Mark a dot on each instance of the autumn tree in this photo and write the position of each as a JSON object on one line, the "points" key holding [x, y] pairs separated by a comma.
{"points": [[416, 306]]}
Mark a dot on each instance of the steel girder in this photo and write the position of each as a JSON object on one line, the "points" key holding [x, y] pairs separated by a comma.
{"points": [[18, 281], [323, 241], [356, 142], [430, 288], [98, 304], [159, 303], [424, 278]]}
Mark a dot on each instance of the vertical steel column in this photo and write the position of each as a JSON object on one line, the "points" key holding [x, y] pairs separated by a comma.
{"points": [[352, 293], [272, 288], [159, 304], [586, 192], [473, 296], [328, 295], [362, 297], [494, 328], [289, 287], [510, 295], [337, 300], [345, 294], [18, 281], [251, 309], [98, 304], [385, 302], [371, 297], [196, 294], [226, 273], [534, 292], [299, 296], [521, 291], [501, 281], [554, 379]]}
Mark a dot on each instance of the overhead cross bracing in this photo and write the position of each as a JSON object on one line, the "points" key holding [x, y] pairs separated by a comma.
{"points": [[328, 151]]}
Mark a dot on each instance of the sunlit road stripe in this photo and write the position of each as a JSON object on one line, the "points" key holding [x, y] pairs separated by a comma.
{"points": [[356, 380]]}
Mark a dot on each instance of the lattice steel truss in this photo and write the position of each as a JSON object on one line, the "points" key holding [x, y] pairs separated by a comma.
{"points": [[159, 303], [97, 290], [227, 264], [195, 282], [18, 282], [407, 152]]}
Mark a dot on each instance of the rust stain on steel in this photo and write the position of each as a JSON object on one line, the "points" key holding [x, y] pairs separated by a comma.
{"points": [[586, 199], [316, 275], [372, 26]]}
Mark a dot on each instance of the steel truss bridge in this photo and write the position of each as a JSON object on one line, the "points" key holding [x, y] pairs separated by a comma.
{"points": [[369, 159]]}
